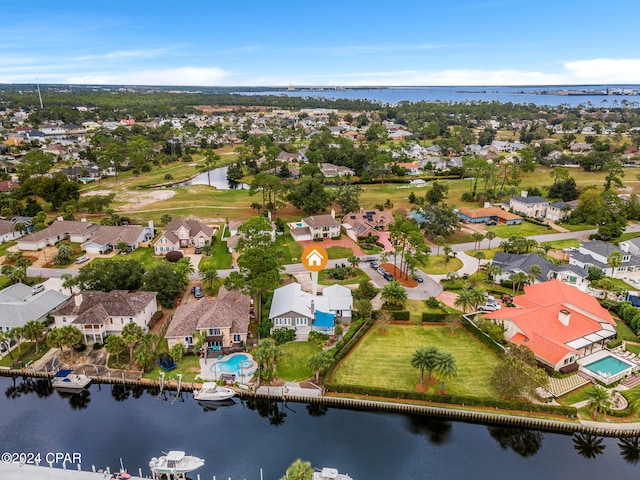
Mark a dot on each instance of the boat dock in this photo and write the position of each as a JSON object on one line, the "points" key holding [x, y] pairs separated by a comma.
{"points": [[18, 471]]}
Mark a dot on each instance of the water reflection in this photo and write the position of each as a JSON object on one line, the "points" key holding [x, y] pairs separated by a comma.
{"points": [[522, 441], [630, 449], [588, 445], [213, 406], [41, 387], [317, 409], [267, 409], [216, 178], [436, 429], [78, 400]]}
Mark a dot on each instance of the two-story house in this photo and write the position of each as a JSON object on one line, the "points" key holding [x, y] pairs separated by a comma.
{"points": [[180, 234], [532, 207], [317, 226], [511, 263], [100, 314], [595, 254]]}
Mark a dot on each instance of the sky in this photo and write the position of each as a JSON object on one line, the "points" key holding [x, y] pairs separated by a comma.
{"points": [[327, 43]]}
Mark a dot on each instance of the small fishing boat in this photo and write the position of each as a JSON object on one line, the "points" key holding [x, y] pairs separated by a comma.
{"points": [[67, 380], [212, 392], [175, 464]]}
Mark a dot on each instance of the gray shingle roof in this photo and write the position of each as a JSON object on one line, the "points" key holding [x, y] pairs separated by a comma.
{"points": [[18, 306], [116, 303], [510, 262]]}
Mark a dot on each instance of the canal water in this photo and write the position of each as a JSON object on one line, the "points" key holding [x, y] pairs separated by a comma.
{"points": [[109, 423], [218, 179]]}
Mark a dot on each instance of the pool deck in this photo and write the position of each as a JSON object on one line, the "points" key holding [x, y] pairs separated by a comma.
{"points": [[206, 374]]}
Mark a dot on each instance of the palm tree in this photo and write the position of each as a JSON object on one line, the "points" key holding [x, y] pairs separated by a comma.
{"points": [[209, 276], [517, 279], [299, 470], [599, 399], [122, 247], [114, 344], [5, 342], [446, 250], [131, 335], [425, 359], [65, 252], [33, 330], [490, 235], [319, 362], [614, 260], [16, 334], [68, 281], [477, 238], [478, 296], [394, 294], [465, 299], [446, 368], [439, 241], [353, 261], [493, 271], [479, 254], [534, 271]]}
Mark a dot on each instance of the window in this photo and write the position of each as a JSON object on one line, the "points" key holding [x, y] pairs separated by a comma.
{"points": [[64, 320], [214, 332], [302, 321], [189, 340], [237, 338], [121, 321]]}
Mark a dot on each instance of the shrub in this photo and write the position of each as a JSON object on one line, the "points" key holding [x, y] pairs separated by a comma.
{"points": [[283, 335], [614, 343], [168, 176], [97, 346], [429, 317], [174, 256], [399, 314], [318, 338], [433, 302]]}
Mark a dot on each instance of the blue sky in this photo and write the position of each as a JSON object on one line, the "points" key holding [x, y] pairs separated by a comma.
{"points": [[255, 43]]}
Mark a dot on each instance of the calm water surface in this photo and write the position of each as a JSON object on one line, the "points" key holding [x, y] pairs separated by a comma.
{"points": [[112, 422], [217, 177]]}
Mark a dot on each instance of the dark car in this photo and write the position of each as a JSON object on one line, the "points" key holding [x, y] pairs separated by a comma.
{"points": [[374, 264], [198, 250], [197, 292], [165, 361], [491, 222], [418, 278], [387, 276]]}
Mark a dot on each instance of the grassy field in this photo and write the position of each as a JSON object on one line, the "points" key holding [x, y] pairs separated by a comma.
{"points": [[384, 360], [289, 250], [145, 256], [338, 252], [436, 266], [525, 229], [624, 332], [220, 258], [295, 357], [189, 367], [324, 280]]}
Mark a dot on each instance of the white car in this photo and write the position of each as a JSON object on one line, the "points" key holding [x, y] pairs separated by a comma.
{"points": [[489, 307]]}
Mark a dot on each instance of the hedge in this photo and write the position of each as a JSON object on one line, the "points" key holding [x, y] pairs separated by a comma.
{"points": [[476, 332], [399, 314], [614, 343], [452, 399], [428, 317]]}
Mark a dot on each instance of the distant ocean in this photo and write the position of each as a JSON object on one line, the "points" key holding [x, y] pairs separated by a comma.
{"points": [[539, 95]]}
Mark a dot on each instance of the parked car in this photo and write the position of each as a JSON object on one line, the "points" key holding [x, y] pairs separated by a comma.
{"points": [[490, 306], [82, 259], [37, 289], [374, 264], [387, 276], [198, 250], [418, 278], [491, 222], [197, 292], [381, 270]]}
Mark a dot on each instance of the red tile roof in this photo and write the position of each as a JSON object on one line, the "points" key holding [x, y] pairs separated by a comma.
{"points": [[537, 319]]}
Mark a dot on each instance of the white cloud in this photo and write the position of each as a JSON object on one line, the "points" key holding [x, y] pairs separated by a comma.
{"points": [[119, 54], [171, 76], [599, 70]]}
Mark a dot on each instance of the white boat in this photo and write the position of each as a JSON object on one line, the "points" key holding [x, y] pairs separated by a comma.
{"points": [[175, 464], [68, 380], [212, 392], [330, 474]]}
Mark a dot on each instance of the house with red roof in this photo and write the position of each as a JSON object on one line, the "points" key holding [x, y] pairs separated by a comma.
{"points": [[558, 322]]}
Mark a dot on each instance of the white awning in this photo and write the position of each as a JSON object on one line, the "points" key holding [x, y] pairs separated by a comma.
{"points": [[579, 343]]}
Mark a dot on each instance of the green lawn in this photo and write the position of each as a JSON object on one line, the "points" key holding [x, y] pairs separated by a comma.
{"points": [[384, 360], [323, 280], [5, 246], [189, 367], [295, 357], [624, 332], [289, 251], [579, 227], [436, 266], [560, 244], [220, 258], [525, 229], [145, 256], [338, 252], [622, 238]]}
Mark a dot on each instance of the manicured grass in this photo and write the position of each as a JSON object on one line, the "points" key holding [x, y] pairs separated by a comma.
{"points": [[145, 256], [338, 252], [633, 348], [5, 246], [578, 395], [220, 258], [622, 238], [289, 251], [624, 332], [384, 360], [293, 366], [189, 367], [579, 227], [6, 361], [525, 229], [324, 280], [436, 265], [488, 254], [560, 244]]}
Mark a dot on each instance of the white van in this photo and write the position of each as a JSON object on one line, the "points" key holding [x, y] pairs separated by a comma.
{"points": [[37, 289]]}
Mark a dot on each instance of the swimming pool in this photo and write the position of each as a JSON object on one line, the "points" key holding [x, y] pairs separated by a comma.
{"points": [[608, 367], [240, 364]]}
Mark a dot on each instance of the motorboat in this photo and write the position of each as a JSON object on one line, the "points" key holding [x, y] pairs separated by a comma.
{"points": [[175, 464], [67, 380], [330, 474], [212, 392]]}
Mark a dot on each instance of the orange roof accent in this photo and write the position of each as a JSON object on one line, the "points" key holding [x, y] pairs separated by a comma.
{"points": [[488, 212], [537, 320]]}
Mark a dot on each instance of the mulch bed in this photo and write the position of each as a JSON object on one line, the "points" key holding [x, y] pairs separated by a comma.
{"points": [[399, 275]]}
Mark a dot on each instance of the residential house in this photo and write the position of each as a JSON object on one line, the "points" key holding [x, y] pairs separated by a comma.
{"points": [[511, 263], [180, 234], [330, 170], [532, 207], [631, 246], [304, 312], [317, 226], [289, 157], [558, 322], [559, 210], [7, 231], [19, 305], [100, 314], [487, 215], [367, 223], [78, 232], [6, 186], [412, 168], [595, 254], [106, 238], [225, 319]]}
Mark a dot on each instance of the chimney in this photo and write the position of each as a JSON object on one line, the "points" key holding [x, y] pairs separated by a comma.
{"points": [[313, 308], [78, 299], [83, 219], [487, 204], [333, 213], [564, 316], [151, 226], [524, 193]]}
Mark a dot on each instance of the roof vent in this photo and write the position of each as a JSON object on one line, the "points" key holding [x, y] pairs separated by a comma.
{"points": [[564, 316]]}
